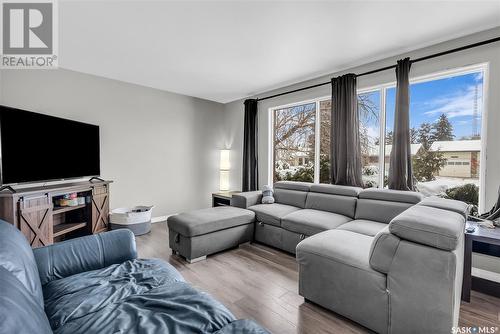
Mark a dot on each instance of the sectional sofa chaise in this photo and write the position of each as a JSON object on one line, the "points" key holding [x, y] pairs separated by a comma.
{"points": [[95, 284], [389, 260]]}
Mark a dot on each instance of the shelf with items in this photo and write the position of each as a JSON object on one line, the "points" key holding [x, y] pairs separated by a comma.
{"points": [[65, 228], [62, 209]]}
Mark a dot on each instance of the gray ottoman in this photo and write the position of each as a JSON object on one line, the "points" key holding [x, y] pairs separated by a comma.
{"points": [[199, 233]]}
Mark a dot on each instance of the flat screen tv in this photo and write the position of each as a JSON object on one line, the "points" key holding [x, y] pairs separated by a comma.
{"points": [[36, 147]]}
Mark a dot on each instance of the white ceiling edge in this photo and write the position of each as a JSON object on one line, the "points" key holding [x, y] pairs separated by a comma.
{"points": [[208, 56], [59, 67], [455, 38]]}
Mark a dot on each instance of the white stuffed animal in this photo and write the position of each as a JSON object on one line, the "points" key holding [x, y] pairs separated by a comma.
{"points": [[267, 195]]}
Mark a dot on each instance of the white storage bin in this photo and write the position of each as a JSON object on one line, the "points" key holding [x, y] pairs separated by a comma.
{"points": [[136, 219]]}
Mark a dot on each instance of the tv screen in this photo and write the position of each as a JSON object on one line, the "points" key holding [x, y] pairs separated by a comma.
{"points": [[36, 147]]}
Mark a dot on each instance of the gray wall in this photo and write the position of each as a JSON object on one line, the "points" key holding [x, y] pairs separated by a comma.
{"points": [[234, 111], [160, 148]]}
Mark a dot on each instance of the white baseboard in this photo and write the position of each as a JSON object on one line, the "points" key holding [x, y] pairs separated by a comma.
{"points": [[161, 219]]}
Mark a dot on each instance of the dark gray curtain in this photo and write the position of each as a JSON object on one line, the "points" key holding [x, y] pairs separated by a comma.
{"points": [[345, 146], [250, 166], [400, 167]]}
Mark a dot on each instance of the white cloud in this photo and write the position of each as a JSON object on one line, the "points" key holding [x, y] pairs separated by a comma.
{"points": [[458, 104]]}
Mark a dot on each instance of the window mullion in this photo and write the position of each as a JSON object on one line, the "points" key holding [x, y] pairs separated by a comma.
{"points": [[317, 145], [381, 141]]}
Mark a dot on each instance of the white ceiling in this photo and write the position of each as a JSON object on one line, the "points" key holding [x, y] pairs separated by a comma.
{"points": [[226, 50]]}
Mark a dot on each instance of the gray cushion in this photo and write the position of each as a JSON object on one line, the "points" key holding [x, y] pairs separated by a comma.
{"points": [[272, 213], [429, 226], [343, 205], [310, 222], [391, 195], [383, 249], [17, 257], [349, 248], [446, 204], [290, 197], [205, 221], [366, 227], [334, 189], [380, 211], [292, 185]]}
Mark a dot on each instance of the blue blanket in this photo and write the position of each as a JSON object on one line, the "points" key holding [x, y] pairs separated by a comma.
{"points": [[138, 296]]}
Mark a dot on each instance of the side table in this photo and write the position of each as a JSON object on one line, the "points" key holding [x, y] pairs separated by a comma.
{"points": [[481, 234], [223, 198]]}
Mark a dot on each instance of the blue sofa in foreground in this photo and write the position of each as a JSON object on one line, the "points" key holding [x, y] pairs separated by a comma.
{"points": [[96, 284]]}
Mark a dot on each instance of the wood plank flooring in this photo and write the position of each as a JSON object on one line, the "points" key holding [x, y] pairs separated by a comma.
{"points": [[260, 283]]}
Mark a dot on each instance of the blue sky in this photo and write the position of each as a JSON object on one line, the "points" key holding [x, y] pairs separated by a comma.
{"points": [[452, 96]]}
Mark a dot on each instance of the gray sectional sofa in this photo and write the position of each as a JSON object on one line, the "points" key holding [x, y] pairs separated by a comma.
{"points": [[302, 209], [389, 260]]}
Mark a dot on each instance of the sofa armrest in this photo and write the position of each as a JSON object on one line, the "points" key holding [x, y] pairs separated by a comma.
{"points": [[246, 199], [429, 226], [447, 204], [384, 247], [83, 254], [422, 252]]}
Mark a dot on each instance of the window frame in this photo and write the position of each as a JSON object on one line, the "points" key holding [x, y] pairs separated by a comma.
{"points": [[382, 89], [272, 149]]}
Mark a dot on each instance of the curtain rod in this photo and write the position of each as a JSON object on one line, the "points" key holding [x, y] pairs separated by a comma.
{"points": [[439, 54]]}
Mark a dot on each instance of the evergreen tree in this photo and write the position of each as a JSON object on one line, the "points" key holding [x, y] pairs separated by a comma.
{"points": [[425, 135], [442, 129], [427, 163]]}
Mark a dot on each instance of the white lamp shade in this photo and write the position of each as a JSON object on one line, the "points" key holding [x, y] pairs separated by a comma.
{"points": [[225, 164], [224, 180]]}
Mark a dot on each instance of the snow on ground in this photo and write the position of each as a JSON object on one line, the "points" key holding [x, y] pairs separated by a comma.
{"points": [[283, 171], [441, 184]]}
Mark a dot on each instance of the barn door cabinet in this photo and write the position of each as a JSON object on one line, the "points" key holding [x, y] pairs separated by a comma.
{"points": [[100, 208], [36, 213]]}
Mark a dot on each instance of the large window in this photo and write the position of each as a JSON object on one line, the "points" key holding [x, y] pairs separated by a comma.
{"points": [[445, 122], [294, 143], [369, 134], [325, 108], [446, 114]]}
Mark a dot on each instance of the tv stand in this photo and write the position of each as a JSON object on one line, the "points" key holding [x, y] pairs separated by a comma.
{"points": [[9, 188], [36, 212]]}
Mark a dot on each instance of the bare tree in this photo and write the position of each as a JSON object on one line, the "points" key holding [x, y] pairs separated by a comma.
{"points": [[294, 130], [368, 115]]}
